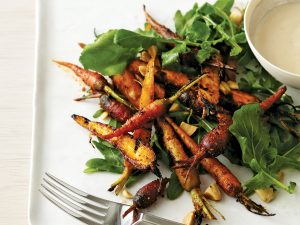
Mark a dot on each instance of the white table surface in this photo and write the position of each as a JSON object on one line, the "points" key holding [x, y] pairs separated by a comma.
{"points": [[17, 36]]}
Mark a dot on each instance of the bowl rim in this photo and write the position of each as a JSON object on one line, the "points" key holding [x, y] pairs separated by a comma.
{"points": [[247, 20]]}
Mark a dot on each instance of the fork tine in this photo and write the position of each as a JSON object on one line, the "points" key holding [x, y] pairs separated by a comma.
{"points": [[102, 209], [67, 210], [72, 205], [79, 192]]}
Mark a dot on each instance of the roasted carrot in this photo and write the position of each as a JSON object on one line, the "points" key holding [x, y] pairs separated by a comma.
{"points": [[94, 80], [267, 103], [128, 87], [159, 28], [147, 195], [242, 98], [188, 178], [139, 155], [115, 109], [223, 176], [159, 90], [154, 110], [147, 95], [175, 78]]}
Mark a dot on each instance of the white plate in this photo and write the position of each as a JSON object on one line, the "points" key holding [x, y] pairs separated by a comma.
{"points": [[61, 147]]}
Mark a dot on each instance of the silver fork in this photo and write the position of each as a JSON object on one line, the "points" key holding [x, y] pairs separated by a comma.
{"points": [[90, 209]]}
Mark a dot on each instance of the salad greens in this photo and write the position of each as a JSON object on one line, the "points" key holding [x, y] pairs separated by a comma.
{"points": [[267, 142]]}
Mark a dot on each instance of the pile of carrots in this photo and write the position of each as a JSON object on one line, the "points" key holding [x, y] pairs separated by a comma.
{"points": [[137, 99]]}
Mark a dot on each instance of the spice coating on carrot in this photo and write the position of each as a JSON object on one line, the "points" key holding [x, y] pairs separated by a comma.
{"points": [[115, 109], [90, 78], [138, 154], [128, 86]]}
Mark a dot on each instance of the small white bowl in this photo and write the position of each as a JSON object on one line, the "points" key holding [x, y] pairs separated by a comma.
{"points": [[255, 10]]}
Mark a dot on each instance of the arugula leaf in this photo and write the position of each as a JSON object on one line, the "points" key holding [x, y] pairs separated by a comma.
{"points": [[171, 58], [161, 153], [224, 5], [98, 113], [114, 123], [130, 39], [174, 189], [112, 160], [105, 56], [263, 156]]}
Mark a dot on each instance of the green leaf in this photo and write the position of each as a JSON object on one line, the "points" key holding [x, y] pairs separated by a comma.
{"points": [[198, 31], [98, 113], [182, 21], [262, 150], [224, 5], [205, 52], [171, 58], [112, 160], [97, 165], [174, 189], [133, 40], [105, 56], [114, 123]]}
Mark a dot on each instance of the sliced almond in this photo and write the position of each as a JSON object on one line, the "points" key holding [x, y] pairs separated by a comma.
{"points": [[213, 192], [237, 15], [224, 88], [189, 219], [104, 116], [188, 128], [266, 194]]}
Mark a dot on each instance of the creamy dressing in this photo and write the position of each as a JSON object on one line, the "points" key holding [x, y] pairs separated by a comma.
{"points": [[277, 37]]}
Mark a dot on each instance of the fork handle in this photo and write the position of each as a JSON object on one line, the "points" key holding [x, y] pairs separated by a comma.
{"points": [[148, 219]]}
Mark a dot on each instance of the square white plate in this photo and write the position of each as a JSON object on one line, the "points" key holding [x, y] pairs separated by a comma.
{"points": [[61, 147]]}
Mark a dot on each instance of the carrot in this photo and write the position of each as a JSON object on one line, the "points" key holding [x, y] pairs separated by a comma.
{"points": [[242, 98], [139, 155], [267, 103], [147, 195], [94, 80], [128, 87], [159, 28], [159, 91], [175, 78], [115, 109], [154, 110], [188, 178], [223, 176], [147, 95]]}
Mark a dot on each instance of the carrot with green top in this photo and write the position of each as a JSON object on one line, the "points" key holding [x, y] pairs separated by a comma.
{"points": [[154, 110]]}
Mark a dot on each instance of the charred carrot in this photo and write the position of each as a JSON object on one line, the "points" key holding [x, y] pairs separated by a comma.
{"points": [[242, 98], [223, 176], [188, 178], [94, 80], [147, 195], [154, 110], [115, 109], [139, 155], [267, 103], [128, 87]]}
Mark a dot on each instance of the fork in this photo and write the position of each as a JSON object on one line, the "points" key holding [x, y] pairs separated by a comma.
{"points": [[90, 209]]}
